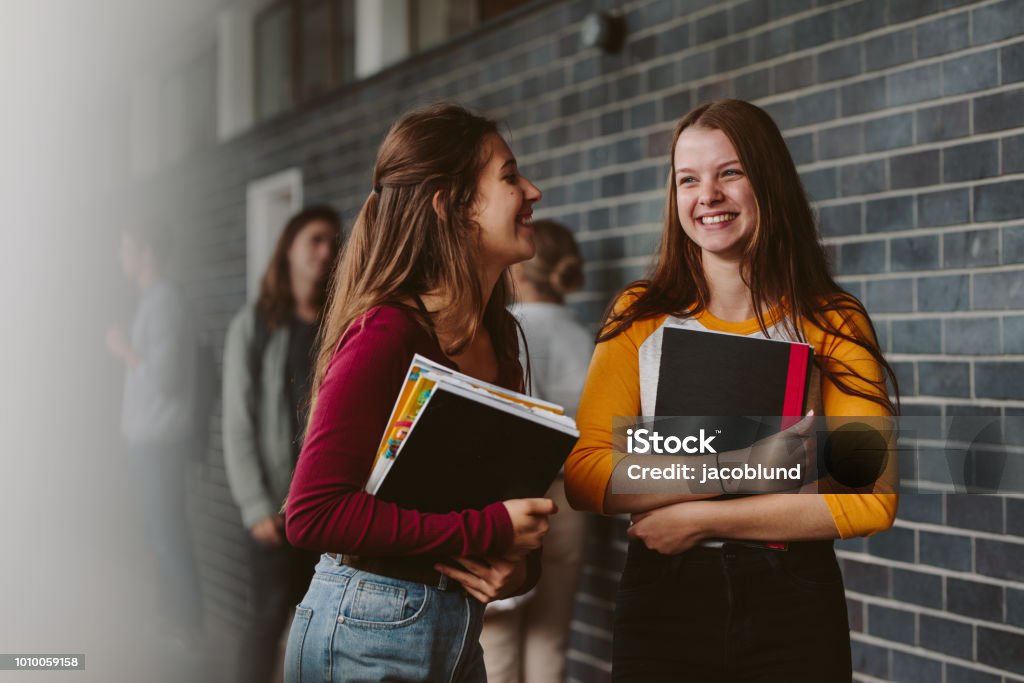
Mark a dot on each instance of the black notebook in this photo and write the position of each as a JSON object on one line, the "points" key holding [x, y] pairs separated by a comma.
{"points": [[727, 376], [468, 448]]}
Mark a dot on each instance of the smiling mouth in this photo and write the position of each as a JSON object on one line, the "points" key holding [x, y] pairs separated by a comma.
{"points": [[525, 219], [716, 219]]}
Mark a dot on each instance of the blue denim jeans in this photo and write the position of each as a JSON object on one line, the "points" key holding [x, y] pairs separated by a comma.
{"points": [[358, 627]]}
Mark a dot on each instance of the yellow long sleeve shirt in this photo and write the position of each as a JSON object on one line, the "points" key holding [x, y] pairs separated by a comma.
{"points": [[622, 381]]}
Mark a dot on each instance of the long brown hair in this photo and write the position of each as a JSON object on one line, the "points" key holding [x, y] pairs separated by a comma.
{"points": [[401, 247], [276, 302], [784, 261]]}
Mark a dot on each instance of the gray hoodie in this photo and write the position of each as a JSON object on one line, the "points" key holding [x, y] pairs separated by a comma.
{"points": [[257, 424]]}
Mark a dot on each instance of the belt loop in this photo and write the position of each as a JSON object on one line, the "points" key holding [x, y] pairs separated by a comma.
{"points": [[442, 583]]}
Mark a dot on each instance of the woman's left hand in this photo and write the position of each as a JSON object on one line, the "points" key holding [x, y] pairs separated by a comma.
{"points": [[671, 529], [488, 579]]}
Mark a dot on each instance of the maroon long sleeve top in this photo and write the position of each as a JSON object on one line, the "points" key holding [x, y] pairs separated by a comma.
{"points": [[328, 510]]}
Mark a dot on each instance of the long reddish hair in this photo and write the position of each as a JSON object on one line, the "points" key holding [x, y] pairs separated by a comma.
{"points": [[784, 260]]}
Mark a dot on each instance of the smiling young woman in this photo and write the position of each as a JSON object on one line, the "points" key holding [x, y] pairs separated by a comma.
{"points": [[425, 271], [740, 254]]}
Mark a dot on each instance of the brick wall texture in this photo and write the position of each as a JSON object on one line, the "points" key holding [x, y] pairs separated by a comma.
{"points": [[906, 120]]}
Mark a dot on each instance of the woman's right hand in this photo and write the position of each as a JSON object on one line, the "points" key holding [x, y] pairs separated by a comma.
{"points": [[490, 578], [529, 521], [793, 446]]}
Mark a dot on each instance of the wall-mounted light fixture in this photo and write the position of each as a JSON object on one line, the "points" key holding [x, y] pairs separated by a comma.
{"points": [[603, 30]]}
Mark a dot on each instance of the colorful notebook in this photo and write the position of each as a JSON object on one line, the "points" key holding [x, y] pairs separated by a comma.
{"points": [[457, 443], [420, 377]]}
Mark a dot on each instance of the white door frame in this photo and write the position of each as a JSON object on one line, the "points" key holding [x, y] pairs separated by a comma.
{"points": [[269, 202]]}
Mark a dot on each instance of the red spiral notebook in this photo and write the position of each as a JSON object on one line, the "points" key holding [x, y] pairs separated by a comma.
{"points": [[740, 388]]}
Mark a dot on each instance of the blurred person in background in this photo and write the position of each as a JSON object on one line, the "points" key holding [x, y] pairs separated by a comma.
{"points": [[159, 355], [268, 364], [525, 638]]}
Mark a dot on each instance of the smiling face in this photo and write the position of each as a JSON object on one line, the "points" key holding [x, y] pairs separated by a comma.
{"points": [[503, 208], [714, 198]]}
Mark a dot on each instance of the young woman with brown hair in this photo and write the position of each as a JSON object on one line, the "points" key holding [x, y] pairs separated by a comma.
{"points": [[740, 254], [425, 271], [268, 363]]}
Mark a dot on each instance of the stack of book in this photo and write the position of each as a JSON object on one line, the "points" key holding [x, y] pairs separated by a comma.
{"points": [[454, 442]]}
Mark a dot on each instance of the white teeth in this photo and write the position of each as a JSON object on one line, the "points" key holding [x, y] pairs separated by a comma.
{"points": [[720, 218], [526, 220]]}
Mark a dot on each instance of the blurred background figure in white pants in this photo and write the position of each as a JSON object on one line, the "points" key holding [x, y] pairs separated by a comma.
{"points": [[525, 638]]}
